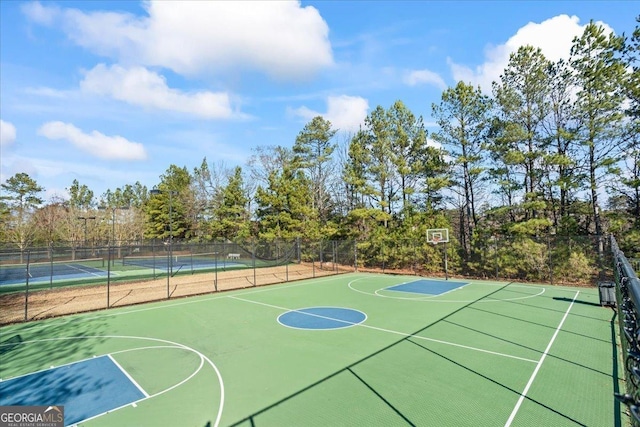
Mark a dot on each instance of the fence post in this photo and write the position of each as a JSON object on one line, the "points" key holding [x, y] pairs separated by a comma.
{"points": [[215, 277], [224, 258], [550, 259], [50, 267], [109, 275], [153, 255], [355, 255], [169, 264], [495, 253], [26, 289], [253, 257], [313, 262], [446, 263], [384, 259], [191, 255]]}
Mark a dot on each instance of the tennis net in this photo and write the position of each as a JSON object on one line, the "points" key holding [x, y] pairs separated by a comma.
{"points": [[162, 260]]}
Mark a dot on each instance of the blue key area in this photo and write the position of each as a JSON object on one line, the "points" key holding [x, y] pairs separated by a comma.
{"points": [[427, 287], [86, 389], [322, 318]]}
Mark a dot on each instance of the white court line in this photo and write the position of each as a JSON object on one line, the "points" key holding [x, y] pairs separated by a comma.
{"points": [[50, 367], [423, 297], [535, 371], [397, 332], [134, 404], [92, 273], [82, 360], [30, 327], [134, 382], [434, 299], [347, 323]]}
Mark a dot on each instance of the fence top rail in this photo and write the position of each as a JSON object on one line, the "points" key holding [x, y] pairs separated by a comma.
{"points": [[627, 272]]}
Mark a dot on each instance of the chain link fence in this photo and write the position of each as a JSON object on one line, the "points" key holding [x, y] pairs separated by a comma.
{"points": [[41, 282]]}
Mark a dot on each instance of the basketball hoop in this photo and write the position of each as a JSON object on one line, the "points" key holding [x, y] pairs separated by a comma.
{"points": [[437, 235], [440, 235]]}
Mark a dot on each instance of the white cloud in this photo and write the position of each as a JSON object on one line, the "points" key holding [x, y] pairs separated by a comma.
{"points": [[139, 86], [346, 113], [15, 166], [282, 39], [433, 143], [7, 133], [43, 15], [553, 36], [47, 92], [416, 77], [94, 143]]}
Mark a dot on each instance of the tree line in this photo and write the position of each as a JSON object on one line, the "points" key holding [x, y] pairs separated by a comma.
{"points": [[553, 149]]}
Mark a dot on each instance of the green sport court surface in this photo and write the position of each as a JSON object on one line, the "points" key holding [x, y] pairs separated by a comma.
{"points": [[354, 349]]}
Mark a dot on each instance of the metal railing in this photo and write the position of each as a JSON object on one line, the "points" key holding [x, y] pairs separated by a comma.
{"points": [[628, 296]]}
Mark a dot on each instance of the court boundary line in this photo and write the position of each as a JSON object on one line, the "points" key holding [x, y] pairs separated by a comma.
{"points": [[86, 271], [36, 325], [50, 367], [250, 417], [523, 395], [134, 382], [403, 334], [135, 403]]}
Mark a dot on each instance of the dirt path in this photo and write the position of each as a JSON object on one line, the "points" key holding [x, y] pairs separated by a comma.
{"points": [[77, 299]]}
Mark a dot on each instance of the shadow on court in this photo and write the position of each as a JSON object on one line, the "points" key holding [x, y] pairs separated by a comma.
{"points": [[33, 348], [534, 323], [380, 384], [376, 393], [537, 350], [593, 304]]}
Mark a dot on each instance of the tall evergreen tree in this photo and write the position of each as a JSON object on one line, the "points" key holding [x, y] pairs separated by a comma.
{"points": [[167, 211], [81, 197], [207, 186], [629, 184], [408, 149], [284, 206], [354, 172], [313, 149], [522, 98], [380, 169], [231, 216], [562, 179], [21, 194], [599, 73], [463, 117]]}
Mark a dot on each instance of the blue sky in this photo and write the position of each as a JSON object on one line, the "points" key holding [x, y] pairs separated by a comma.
{"points": [[110, 93]]}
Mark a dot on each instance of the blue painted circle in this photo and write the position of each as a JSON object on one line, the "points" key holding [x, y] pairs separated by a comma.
{"points": [[322, 318]]}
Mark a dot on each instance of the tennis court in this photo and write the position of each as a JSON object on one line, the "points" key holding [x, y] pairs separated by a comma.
{"points": [[50, 274], [352, 349], [60, 271], [180, 262]]}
